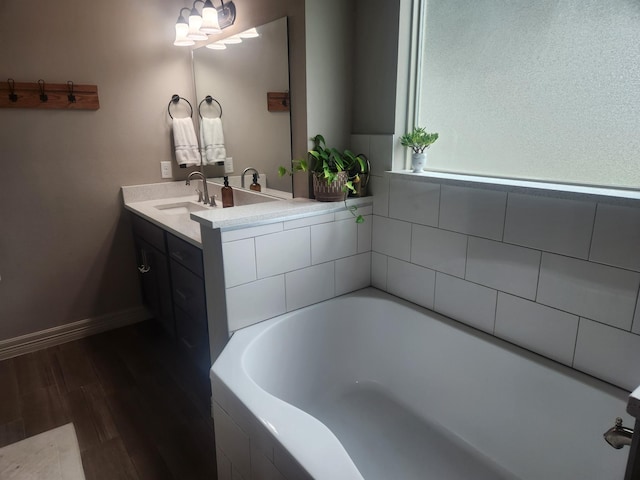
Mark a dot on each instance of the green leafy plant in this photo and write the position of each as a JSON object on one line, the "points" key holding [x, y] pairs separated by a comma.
{"points": [[328, 162], [418, 139]]}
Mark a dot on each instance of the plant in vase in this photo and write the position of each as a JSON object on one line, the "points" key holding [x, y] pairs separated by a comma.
{"points": [[418, 140], [335, 173]]}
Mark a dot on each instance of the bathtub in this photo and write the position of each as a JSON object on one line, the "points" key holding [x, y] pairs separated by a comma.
{"points": [[369, 386]]}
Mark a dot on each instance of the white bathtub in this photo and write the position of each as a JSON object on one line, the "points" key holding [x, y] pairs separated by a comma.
{"points": [[369, 386]]}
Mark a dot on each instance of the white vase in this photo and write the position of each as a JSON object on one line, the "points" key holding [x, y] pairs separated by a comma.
{"points": [[418, 161]]}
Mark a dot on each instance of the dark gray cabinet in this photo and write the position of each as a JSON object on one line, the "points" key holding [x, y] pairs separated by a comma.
{"points": [[153, 268], [172, 283]]}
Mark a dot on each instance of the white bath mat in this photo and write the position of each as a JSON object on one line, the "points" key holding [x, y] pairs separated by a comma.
{"points": [[52, 455]]}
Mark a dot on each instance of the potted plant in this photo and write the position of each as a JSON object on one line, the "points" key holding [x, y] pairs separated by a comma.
{"points": [[359, 170], [418, 140], [335, 174]]}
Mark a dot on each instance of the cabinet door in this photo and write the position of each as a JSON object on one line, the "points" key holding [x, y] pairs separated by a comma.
{"points": [[155, 283], [193, 339]]}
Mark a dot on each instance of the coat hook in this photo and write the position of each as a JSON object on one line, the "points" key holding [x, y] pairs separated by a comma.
{"points": [[43, 96], [71, 96], [12, 90]]}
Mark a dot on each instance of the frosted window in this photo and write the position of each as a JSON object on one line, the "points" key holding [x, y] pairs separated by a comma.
{"points": [[545, 90]]}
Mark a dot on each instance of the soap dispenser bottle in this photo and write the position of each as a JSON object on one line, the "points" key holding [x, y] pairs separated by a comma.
{"points": [[255, 186], [227, 194]]}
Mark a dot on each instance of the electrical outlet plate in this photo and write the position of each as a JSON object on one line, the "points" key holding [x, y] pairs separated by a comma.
{"points": [[228, 165], [165, 169]]}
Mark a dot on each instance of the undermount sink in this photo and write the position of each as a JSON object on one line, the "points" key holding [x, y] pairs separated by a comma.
{"points": [[180, 208]]}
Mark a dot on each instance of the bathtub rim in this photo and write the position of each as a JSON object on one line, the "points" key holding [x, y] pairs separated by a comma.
{"points": [[237, 380], [267, 409]]}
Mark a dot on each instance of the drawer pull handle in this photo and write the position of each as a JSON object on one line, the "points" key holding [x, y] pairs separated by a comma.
{"points": [[145, 267]]}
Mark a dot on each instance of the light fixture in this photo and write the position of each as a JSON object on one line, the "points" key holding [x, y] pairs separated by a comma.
{"points": [[195, 21], [212, 21], [231, 40], [182, 28], [251, 33], [216, 46], [226, 14], [209, 19]]}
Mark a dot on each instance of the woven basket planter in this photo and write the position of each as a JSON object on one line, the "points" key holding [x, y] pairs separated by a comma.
{"points": [[329, 192]]}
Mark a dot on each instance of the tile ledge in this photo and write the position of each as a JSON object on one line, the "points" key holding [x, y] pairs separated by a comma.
{"points": [[579, 192]]}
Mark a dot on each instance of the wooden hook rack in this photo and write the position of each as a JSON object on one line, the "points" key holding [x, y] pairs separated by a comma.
{"points": [[278, 101], [65, 96]]}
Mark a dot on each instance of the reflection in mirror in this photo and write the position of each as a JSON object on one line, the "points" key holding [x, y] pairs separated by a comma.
{"points": [[239, 78]]}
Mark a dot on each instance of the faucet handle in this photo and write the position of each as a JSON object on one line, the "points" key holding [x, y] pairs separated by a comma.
{"points": [[212, 201], [199, 194]]}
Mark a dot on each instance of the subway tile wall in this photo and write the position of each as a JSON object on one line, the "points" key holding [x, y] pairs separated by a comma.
{"points": [[557, 276], [276, 268], [245, 449]]}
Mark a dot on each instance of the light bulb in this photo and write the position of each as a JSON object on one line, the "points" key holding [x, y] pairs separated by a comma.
{"points": [[251, 33], [195, 21], [216, 46], [209, 19], [232, 39], [182, 29]]}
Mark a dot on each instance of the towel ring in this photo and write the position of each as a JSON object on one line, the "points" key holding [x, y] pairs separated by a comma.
{"points": [[175, 99], [209, 99]]}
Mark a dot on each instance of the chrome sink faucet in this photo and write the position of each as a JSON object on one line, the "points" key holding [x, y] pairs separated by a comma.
{"points": [[206, 199], [244, 172]]}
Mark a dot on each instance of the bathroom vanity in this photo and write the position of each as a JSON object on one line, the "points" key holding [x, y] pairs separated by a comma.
{"points": [[185, 251], [172, 282]]}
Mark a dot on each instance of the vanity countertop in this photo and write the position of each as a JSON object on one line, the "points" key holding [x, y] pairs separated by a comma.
{"points": [[173, 206], [178, 224], [264, 213]]}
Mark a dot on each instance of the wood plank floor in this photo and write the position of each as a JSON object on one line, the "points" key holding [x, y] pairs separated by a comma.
{"points": [[140, 409]]}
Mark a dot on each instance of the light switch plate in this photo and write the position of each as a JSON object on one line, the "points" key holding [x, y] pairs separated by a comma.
{"points": [[228, 165], [165, 169]]}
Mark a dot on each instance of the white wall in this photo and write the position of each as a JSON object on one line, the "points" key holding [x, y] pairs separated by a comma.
{"points": [[558, 276], [283, 266]]}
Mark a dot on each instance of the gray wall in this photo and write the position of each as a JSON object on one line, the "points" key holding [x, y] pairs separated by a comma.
{"points": [[329, 35], [375, 66], [66, 251]]}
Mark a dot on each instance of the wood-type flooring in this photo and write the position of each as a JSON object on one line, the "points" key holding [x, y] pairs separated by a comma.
{"points": [[140, 409]]}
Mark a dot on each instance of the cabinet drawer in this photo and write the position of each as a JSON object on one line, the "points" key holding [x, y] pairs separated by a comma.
{"points": [[188, 292], [193, 337], [186, 254], [149, 232]]}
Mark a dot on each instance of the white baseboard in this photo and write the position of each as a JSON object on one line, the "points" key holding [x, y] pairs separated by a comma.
{"points": [[70, 331]]}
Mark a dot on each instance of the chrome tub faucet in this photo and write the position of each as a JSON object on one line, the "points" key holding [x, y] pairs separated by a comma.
{"points": [[618, 436]]}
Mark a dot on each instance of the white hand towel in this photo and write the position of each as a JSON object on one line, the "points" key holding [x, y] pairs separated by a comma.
{"points": [[212, 140], [186, 142]]}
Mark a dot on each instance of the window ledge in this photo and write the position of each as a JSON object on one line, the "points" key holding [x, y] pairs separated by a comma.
{"points": [[572, 191]]}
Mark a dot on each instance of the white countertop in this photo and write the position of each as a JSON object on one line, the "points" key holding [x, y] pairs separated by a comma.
{"points": [[144, 200], [263, 213]]}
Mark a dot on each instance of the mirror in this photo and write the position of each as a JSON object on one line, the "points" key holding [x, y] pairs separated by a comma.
{"points": [[238, 78]]}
